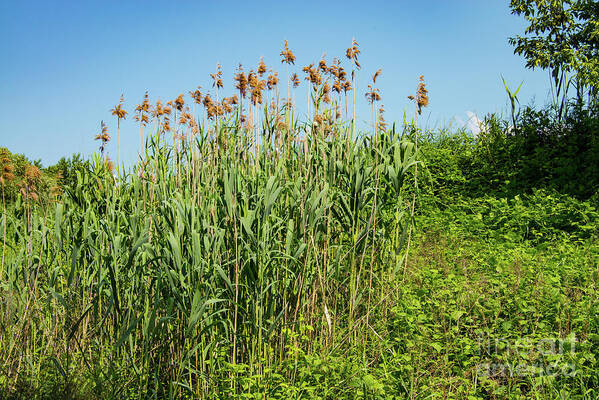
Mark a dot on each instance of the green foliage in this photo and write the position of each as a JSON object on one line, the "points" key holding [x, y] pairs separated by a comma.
{"points": [[540, 153], [513, 96], [469, 301], [65, 170], [187, 269], [563, 37], [21, 184], [280, 272]]}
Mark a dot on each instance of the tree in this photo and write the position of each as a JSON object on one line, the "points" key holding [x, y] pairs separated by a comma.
{"points": [[66, 169], [563, 37]]}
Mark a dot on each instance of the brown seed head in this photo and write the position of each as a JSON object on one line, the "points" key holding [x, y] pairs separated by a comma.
{"points": [[334, 68], [288, 104], [347, 86], [179, 102], [7, 168], [207, 101], [376, 75], [261, 66], [118, 109], [142, 110], [318, 120], [295, 80], [382, 125], [421, 94], [184, 118], [103, 136], [421, 97], [217, 77], [145, 106], [287, 55], [242, 82], [341, 74], [32, 174], [211, 111], [322, 65], [166, 126], [256, 96], [4, 156], [109, 166], [252, 79], [313, 75], [373, 94], [168, 108], [196, 95], [233, 100], [226, 105], [272, 81], [353, 52], [337, 86], [158, 109]]}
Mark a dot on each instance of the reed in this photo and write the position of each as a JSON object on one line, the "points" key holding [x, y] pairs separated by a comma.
{"points": [[6, 176], [247, 227], [421, 100], [120, 114]]}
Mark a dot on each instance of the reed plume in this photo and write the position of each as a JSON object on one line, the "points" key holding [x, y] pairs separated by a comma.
{"points": [[373, 94], [347, 86], [326, 90], [272, 80], [261, 67], [322, 65], [287, 55], [31, 180], [179, 102], [109, 166], [142, 116], [217, 79], [295, 80], [382, 124], [103, 136], [196, 95], [242, 82], [256, 85], [376, 75], [337, 88], [6, 174], [421, 97], [352, 54], [313, 76], [421, 100], [288, 58], [118, 110], [210, 106], [120, 113]]}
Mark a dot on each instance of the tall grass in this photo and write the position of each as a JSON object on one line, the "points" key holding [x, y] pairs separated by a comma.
{"points": [[247, 225]]}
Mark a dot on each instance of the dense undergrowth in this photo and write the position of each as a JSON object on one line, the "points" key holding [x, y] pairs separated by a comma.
{"points": [[223, 266]]}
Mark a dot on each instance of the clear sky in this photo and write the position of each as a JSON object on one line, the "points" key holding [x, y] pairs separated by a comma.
{"points": [[65, 64]]}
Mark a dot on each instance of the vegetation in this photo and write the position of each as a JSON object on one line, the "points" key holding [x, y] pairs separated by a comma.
{"points": [[249, 254], [562, 37]]}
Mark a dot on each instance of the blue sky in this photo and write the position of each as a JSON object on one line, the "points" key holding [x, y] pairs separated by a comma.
{"points": [[65, 64]]}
